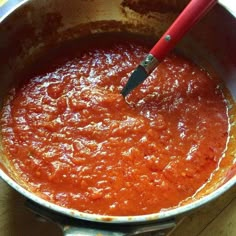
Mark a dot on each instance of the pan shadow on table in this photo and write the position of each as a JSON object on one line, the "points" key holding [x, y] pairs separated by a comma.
{"points": [[17, 220], [217, 218]]}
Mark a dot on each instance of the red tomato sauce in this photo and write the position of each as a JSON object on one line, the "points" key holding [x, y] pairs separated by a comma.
{"points": [[77, 142]]}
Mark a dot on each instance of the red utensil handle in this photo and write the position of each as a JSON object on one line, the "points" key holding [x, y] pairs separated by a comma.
{"points": [[189, 16]]}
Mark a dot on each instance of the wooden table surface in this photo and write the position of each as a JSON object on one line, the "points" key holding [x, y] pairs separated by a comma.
{"points": [[217, 218]]}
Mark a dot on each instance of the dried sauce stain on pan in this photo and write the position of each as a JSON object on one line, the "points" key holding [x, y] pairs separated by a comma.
{"points": [[24, 35], [161, 6], [76, 142]]}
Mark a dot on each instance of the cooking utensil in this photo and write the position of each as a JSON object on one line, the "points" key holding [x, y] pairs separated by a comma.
{"points": [[189, 16]]}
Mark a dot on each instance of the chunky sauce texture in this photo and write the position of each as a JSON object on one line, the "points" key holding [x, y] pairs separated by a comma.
{"points": [[78, 143]]}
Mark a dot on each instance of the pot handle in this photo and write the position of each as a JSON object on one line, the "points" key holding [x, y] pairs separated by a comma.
{"points": [[160, 229], [80, 231]]}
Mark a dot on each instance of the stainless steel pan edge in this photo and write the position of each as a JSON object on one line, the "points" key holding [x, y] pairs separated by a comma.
{"points": [[229, 5], [112, 219], [120, 219]]}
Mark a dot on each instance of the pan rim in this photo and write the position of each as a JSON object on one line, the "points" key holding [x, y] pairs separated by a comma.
{"points": [[162, 215]]}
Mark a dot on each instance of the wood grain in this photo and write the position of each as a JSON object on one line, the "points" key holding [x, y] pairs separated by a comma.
{"points": [[199, 222]]}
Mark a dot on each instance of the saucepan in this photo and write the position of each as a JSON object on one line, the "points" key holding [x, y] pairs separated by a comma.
{"points": [[35, 26]]}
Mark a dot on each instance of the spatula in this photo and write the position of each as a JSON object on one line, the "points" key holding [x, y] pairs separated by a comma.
{"points": [[189, 16]]}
